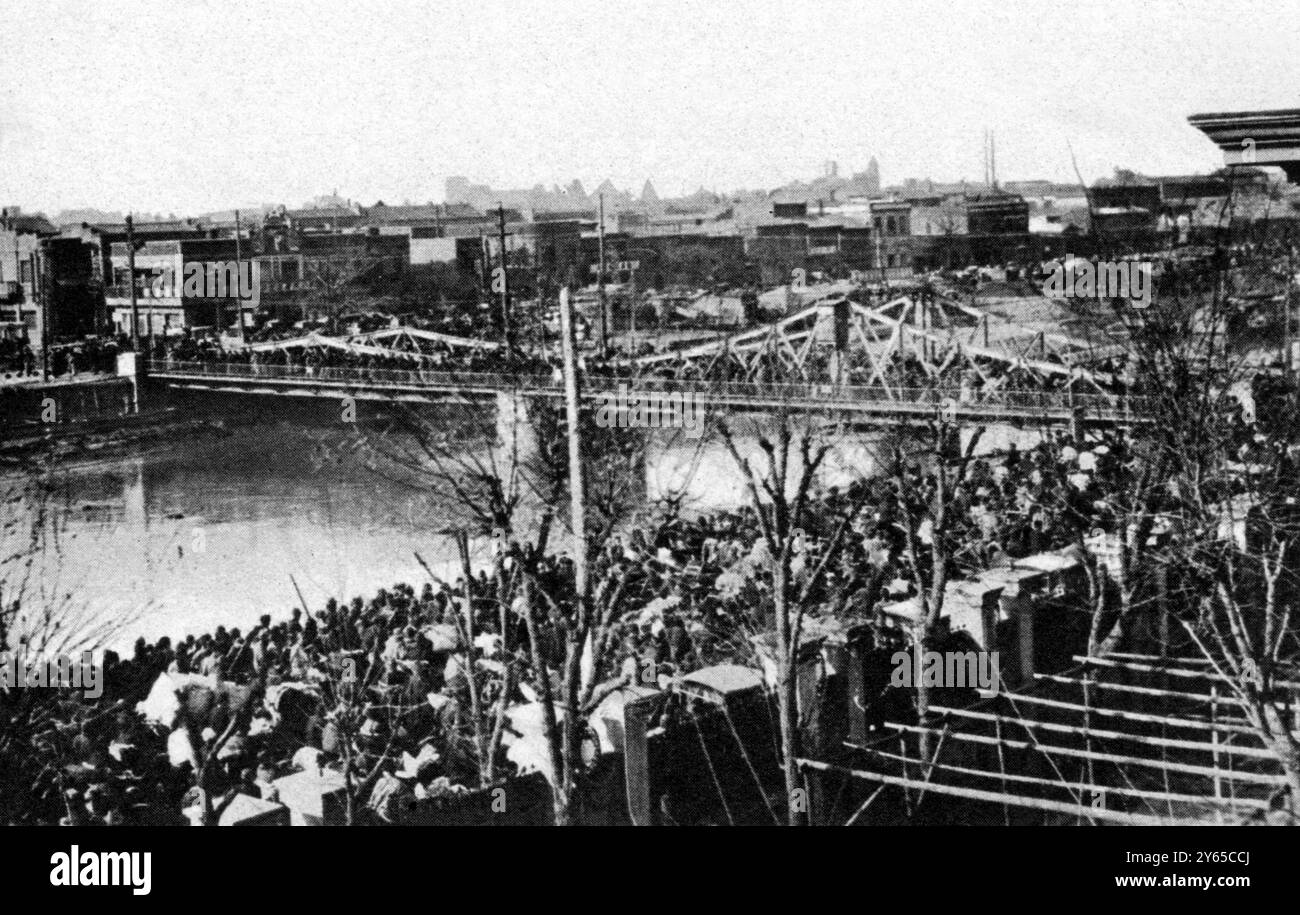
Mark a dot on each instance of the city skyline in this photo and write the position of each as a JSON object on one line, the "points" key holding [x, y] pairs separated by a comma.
{"points": [[526, 97]]}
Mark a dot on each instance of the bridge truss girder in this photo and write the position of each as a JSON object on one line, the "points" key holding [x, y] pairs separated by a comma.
{"points": [[935, 335]]}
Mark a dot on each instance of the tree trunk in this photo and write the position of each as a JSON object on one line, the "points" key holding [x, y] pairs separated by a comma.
{"points": [[572, 745], [1284, 747], [924, 739], [787, 681], [553, 740]]}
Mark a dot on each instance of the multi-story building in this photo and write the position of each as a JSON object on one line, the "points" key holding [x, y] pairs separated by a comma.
{"points": [[164, 304], [20, 267], [72, 297], [996, 214], [891, 222]]}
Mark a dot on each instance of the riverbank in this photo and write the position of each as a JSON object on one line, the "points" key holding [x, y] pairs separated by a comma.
{"points": [[101, 437]]}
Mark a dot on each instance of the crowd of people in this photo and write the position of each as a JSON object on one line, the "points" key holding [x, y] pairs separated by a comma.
{"points": [[18, 359], [379, 688]]}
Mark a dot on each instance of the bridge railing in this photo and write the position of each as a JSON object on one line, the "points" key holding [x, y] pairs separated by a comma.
{"points": [[959, 399], [375, 377], [808, 395]]}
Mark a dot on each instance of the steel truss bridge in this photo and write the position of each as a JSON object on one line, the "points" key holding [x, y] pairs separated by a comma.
{"points": [[834, 355], [838, 339]]}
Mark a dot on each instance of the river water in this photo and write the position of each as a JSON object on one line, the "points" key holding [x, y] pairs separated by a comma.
{"points": [[209, 531]]}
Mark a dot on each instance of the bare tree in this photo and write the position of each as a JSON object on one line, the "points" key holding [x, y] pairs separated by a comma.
{"points": [[42, 617], [1212, 469], [784, 492], [507, 479], [932, 525]]}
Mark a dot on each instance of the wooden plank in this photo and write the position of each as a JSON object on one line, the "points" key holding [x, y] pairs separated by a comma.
{"points": [[1289, 668], [1152, 691], [1189, 723], [1258, 778], [998, 797], [1066, 786], [1128, 688], [1099, 734], [1170, 671]]}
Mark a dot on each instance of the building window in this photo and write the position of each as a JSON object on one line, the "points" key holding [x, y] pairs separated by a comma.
{"points": [[25, 271]]}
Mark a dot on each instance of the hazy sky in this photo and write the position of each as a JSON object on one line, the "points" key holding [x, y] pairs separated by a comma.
{"points": [[190, 106]]}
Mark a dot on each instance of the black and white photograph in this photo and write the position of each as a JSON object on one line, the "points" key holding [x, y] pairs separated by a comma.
{"points": [[657, 414]]}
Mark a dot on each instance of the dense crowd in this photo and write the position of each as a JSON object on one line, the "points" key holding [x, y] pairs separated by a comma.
{"points": [[93, 354], [379, 688]]}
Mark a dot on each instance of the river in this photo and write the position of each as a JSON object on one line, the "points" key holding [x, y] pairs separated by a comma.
{"points": [[208, 531]]}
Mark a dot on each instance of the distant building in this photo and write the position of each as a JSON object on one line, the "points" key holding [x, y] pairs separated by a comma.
{"points": [[891, 221], [100, 237], [650, 201], [161, 307], [324, 220], [871, 177], [431, 228], [20, 238], [1142, 210], [72, 295], [662, 261], [996, 214], [938, 216]]}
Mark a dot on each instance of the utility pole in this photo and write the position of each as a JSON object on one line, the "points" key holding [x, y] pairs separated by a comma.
{"points": [[1289, 365], [239, 272], [600, 279], [505, 282], [18, 276], [38, 290], [635, 303], [986, 157], [148, 319], [993, 160], [540, 311], [578, 514], [130, 269]]}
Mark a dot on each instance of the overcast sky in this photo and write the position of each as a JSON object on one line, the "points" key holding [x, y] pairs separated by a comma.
{"points": [[190, 106]]}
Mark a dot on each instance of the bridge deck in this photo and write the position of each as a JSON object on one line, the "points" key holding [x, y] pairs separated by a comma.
{"points": [[877, 400]]}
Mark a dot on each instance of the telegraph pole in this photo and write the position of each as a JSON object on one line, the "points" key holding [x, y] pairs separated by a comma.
{"points": [[130, 269], [635, 302], [600, 279], [239, 272], [18, 276], [577, 508], [505, 282], [540, 311], [1289, 365], [148, 320], [38, 290]]}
